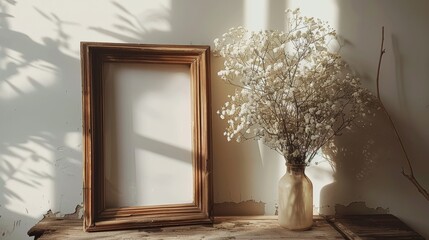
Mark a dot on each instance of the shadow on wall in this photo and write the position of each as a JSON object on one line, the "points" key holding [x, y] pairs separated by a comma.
{"points": [[361, 164], [404, 87], [131, 28], [175, 24], [38, 111]]}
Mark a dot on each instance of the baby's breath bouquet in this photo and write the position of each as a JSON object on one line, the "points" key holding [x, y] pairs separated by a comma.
{"points": [[293, 91]]}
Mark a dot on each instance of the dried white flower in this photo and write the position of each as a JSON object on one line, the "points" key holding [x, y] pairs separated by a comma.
{"points": [[292, 91]]}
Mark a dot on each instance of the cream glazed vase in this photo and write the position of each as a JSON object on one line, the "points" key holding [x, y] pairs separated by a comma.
{"points": [[295, 199]]}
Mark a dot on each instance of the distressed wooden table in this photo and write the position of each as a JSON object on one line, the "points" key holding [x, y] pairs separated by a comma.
{"points": [[264, 227]]}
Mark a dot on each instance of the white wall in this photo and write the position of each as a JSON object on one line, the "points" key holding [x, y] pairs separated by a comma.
{"points": [[40, 100]]}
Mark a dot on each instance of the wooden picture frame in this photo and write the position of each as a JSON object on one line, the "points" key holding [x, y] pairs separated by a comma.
{"points": [[98, 216]]}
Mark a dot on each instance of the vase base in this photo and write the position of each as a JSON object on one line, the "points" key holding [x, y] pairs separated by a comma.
{"points": [[298, 229]]}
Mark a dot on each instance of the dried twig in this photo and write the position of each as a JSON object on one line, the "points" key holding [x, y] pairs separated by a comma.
{"points": [[410, 176]]}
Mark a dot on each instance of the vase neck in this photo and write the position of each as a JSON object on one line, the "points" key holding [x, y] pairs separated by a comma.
{"points": [[295, 168]]}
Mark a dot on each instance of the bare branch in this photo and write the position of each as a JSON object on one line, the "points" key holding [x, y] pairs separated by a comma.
{"points": [[410, 176]]}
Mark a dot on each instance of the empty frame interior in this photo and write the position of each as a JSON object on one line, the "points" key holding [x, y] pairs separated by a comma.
{"points": [[146, 135]]}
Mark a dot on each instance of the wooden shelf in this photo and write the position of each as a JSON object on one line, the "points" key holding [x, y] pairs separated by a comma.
{"points": [[381, 226], [246, 227]]}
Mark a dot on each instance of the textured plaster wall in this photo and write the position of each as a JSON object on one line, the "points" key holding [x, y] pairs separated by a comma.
{"points": [[40, 101]]}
